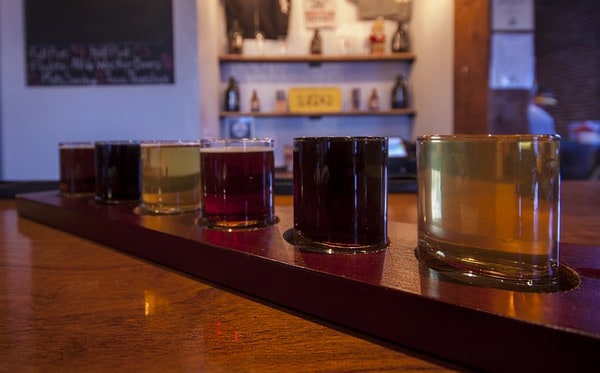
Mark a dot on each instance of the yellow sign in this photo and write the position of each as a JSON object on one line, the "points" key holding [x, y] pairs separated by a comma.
{"points": [[315, 99]]}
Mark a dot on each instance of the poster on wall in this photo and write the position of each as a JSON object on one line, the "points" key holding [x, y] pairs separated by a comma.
{"points": [[99, 42], [269, 17], [512, 62], [512, 15], [319, 13]]}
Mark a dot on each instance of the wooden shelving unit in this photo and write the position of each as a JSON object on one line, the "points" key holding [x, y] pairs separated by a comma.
{"points": [[313, 61], [394, 112], [237, 58]]}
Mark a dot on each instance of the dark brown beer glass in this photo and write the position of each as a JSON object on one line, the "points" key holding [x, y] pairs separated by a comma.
{"points": [[340, 193], [117, 171]]}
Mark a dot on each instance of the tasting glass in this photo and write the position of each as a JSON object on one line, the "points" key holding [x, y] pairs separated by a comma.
{"points": [[237, 182], [170, 176], [77, 175], [117, 165], [488, 210], [340, 194]]}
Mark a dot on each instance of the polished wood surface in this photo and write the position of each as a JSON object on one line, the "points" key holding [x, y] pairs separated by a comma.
{"points": [[66, 302]]}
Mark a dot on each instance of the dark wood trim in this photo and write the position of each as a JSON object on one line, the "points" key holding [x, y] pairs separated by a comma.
{"points": [[391, 112], [318, 58], [471, 65]]}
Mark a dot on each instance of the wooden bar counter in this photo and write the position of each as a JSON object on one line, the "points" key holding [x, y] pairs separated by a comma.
{"points": [[70, 304]]}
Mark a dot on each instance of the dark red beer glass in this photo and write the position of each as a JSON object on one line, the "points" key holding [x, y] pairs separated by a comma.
{"points": [[77, 175], [237, 177]]}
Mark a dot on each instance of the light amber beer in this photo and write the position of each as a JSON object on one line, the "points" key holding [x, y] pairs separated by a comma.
{"points": [[170, 176], [489, 208]]}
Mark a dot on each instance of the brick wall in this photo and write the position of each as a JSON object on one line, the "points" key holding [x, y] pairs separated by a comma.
{"points": [[567, 50]]}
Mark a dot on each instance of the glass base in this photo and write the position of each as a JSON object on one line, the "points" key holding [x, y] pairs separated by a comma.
{"points": [[143, 210], [302, 243], [163, 210], [80, 195], [565, 279], [230, 226], [105, 201]]}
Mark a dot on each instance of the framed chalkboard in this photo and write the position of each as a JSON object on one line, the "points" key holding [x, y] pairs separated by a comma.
{"points": [[99, 42]]}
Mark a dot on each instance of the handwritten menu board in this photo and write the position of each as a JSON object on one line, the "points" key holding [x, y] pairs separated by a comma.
{"points": [[99, 42]]}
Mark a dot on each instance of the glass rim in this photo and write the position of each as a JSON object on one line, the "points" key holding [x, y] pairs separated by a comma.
{"points": [[117, 142], [147, 143], [76, 144], [489, 137], [241, 142], [340, 138]]}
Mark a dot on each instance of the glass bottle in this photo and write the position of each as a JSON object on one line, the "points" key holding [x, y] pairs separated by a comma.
{"points": [[400, 39], [374, 100], [316, 44], [236, 39], [400, 93], [377, 37], [355, 98], [232, 96], [281, 105], [254, 102]]}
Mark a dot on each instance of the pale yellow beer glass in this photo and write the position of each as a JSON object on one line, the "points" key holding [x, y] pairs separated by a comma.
{"points": [[170, 176], [489, 208]]}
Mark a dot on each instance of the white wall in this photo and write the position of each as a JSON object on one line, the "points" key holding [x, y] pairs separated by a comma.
{"points": [[35, 119], [433, 73]]}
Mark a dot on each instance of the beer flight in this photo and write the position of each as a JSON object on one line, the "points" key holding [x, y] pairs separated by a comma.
{"points": [[488, 205], [231, 178]]}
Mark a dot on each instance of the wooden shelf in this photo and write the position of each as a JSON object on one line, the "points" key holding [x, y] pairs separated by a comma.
{"points": [[315, 59], [393, 112]]}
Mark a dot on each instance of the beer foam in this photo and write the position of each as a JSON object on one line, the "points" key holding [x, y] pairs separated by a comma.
{"points": [[237, 149], [82, 145]]}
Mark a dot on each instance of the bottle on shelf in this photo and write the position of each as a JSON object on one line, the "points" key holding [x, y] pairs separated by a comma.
{"points": [[316, 44], [400, 93], [260, 41], [281, 105], [374, 100], [400, 41], [355, 98], [236, 39], [377, 37], [254, 102], [232, 96]]}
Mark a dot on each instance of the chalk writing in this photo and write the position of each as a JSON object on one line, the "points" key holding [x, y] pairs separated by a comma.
{"points": [[99, 63]]}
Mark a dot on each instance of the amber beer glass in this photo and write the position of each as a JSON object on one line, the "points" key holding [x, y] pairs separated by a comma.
{"points": [[77, 168], [340, 194], [170, 176], [237, 177], [117, 165], [489, 208]]}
